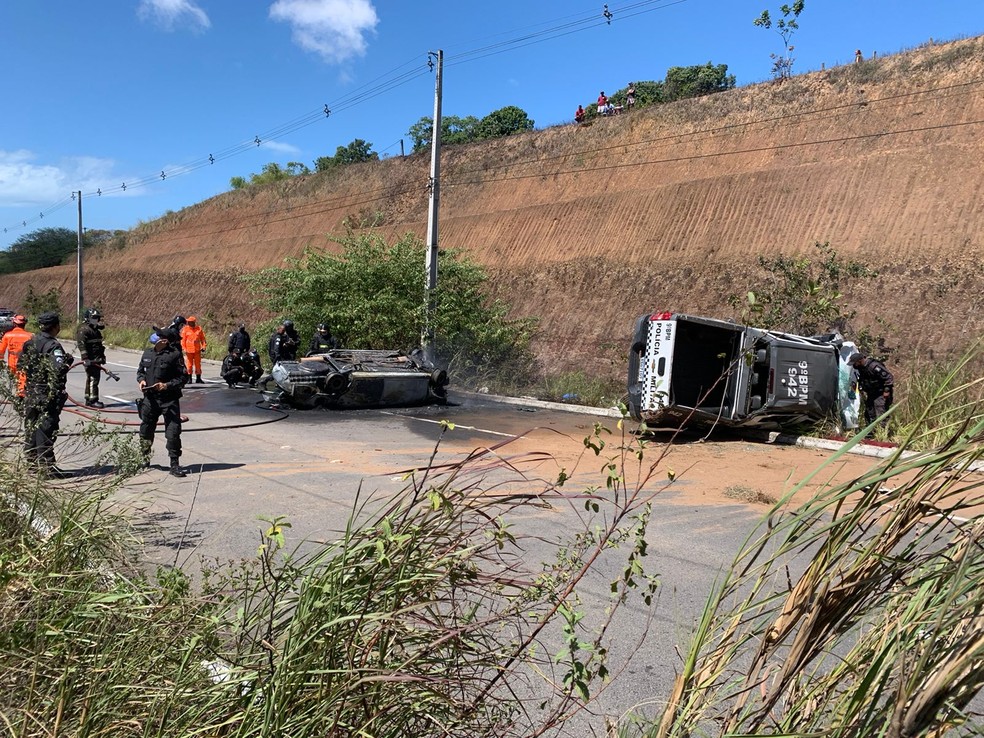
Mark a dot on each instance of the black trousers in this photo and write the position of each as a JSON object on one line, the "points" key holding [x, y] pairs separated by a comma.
{"points": [[876, 405], [41, 421], [151, 410], [92, 374]]}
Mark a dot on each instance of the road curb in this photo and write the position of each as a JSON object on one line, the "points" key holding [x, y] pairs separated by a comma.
{"points": [[769, 437], [610, 412]]}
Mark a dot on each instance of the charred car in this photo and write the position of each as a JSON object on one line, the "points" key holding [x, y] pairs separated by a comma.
{"points": [[349, 378]]}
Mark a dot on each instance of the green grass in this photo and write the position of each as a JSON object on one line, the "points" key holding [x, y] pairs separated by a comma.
{"points": [[580, 388], [138, 338]]}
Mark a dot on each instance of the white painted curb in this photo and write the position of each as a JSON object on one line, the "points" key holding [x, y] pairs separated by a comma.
{"points": [[773, 437]]}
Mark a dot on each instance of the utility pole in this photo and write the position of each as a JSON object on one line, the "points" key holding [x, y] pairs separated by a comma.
{"points": [[427, 335], [78, 283]]}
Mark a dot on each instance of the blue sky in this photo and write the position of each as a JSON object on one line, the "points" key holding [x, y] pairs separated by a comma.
{"points": [[101, 93]]}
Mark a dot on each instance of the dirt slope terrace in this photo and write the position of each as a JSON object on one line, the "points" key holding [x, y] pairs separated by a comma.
{"points": [[668, 208]]}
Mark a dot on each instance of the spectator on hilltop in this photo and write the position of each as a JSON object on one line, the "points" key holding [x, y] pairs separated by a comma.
{"points": [[602, 103], [579, 114]]}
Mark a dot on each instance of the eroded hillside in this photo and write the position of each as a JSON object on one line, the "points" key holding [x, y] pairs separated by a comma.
{"points": [[669, 208]]}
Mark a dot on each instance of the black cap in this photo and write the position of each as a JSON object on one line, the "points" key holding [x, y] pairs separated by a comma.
{"points": [[48, 319], [855, 359]]}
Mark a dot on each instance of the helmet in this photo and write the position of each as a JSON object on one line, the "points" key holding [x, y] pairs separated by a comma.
{"points": [[192, 319], [178, 320], [322, 327], [170, 335], [92, 315], [19, 320], [288, 324]]}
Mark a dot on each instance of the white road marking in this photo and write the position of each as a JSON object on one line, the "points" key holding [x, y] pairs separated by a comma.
{"points": [[456, 425]]}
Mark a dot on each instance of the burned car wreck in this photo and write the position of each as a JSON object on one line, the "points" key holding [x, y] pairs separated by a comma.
{"points": [[693, 370], [351, 378]]}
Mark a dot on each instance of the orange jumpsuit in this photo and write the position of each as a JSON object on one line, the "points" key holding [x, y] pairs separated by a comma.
{"points": [[193, 344], [10, 346]]}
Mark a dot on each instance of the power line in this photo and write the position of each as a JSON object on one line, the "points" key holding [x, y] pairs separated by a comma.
{"points": [[378, 194], [380, 85], [962, 88]]}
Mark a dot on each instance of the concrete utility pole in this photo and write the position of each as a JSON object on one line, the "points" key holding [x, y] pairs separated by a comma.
{"points": [[427, 335], [78, 283]]}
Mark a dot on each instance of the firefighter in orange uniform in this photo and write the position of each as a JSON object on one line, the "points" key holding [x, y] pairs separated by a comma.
{"points": [[10, 347], [193, 344]]}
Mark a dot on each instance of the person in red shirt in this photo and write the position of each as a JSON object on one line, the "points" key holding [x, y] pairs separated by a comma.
{"points": [[602, 103], [193, 344], [11, 346], [579, 115]]}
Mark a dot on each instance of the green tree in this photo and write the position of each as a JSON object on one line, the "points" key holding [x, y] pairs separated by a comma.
{"points": [[454, 130], [296, 168], [695, 81], [36, 303], [647, 92], [504, 122], [271, 172], [782, 64], [355, 152], [372, 295], [42, 248]]}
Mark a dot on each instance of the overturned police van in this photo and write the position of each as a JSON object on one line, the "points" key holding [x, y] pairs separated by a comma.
{"points": [[692, 370], [352, 378]]}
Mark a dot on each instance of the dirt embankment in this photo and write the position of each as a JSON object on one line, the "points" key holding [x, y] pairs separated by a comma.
{"points": [[668, 208]]}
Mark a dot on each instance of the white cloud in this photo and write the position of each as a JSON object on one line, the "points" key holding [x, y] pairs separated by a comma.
{"points": [[26, 183], [280, 147], [169, 14], [334, 29]]}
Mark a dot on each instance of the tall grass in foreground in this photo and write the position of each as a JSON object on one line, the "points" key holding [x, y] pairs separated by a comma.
{"points": [[859, 614], [427, 617]]}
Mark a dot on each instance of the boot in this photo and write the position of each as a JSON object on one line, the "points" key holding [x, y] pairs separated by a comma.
{"points": [[176, 470], [94, 403], [198, 379]]}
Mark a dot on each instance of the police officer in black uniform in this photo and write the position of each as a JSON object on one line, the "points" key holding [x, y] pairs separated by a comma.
{"points": [[239, 340], [322, 341], [233, 369], [89, 338], [283, 343], [45, 365], [161, 375], [282, 346], [877, 384]]}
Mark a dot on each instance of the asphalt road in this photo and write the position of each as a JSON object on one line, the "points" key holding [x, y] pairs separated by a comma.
{"points": [[247, 462]]}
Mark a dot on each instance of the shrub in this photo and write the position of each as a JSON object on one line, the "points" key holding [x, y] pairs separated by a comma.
{"points": [[802, 295], [373, 297]]}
